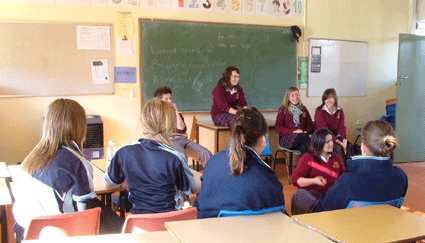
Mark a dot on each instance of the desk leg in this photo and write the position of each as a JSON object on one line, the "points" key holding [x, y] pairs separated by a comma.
{"points": [[108, 200], [123, 206], [4, 232]]}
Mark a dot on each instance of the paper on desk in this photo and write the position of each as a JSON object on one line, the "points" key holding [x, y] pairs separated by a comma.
{"points": [[125, 47], [100, 72], [93, 37]]}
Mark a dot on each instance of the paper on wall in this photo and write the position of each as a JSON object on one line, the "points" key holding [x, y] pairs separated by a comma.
{"points": [[100, 71]]}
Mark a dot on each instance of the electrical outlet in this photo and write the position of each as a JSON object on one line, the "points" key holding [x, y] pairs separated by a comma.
{"points": [[359, 122]]}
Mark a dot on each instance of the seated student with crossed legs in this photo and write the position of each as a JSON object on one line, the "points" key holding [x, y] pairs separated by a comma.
{"points": [[179, 138], [318, 169], [154, 170], [237, 179], [371, 177]]}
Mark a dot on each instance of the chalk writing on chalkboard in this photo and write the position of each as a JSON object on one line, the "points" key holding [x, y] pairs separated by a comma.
{"points": [[190, 58]]}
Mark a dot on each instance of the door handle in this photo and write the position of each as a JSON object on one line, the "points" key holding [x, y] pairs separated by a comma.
{"points": [[400, 78]]}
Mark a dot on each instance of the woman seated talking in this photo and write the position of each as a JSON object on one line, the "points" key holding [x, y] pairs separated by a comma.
{"points": [[237, 179], [371, 177], [318, 169], [293, 122], [228, 96]]}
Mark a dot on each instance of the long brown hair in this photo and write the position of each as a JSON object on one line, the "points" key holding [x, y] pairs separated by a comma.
{"points": [[379, 137], [65, 121], [286, 102], [328, 93], [247, 127], [225, 78], [158, 120]]}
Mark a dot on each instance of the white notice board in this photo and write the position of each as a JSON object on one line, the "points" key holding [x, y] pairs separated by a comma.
{"points": [[337, 64]]}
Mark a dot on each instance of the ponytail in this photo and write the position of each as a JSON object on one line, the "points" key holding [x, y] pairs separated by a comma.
{"points": [[379, 137], [237, 151], [247, 128]]}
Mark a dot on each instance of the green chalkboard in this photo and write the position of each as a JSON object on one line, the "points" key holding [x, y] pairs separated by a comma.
{"points": [[191, 57]]}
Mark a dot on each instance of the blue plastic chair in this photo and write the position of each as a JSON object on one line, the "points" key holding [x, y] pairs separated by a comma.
{"points": [[395, 202], [288, 162], [268, 153], [227, 213]]}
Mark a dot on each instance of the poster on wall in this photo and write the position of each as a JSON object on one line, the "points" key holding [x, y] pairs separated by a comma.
{"points": [[116, 3], [147, 4], [193, 5], [264, 8], [298, 8], [82, 2], [131, 3], [98, 3], [287, 8], [163, 4], [177, 4], [235, 7], [248, 7], [220, 6], [206, 5]]}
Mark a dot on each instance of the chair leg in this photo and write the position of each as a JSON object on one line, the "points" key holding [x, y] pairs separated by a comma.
{"points": [[290, 167]]}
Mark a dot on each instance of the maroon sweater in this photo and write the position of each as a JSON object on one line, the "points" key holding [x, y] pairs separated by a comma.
{"points": [[335, 122], [308, 167], [223, 100], [183, 131], [285, 123]]}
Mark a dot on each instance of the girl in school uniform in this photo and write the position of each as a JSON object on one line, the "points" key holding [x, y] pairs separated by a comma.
{"points": [[179, 138], [154, 170], [55, 177], [329, 115], [237, 179], [228, 97], [318, 169], [371, 177], [293, 122]]}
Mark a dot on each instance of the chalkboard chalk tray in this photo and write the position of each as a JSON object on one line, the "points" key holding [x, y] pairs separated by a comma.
{"points": [[190, 58]]}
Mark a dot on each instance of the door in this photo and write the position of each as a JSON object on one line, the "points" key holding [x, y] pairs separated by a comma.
{"points": [[410, 108]]}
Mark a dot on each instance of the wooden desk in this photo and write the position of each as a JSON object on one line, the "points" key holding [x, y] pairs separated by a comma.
{"points": [[274, 227], [5, 199], [378, 223], [216, 138], [148, 237]]}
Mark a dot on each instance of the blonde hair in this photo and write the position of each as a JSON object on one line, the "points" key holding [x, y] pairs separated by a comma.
{"points": [[379, 137], [247, 127], [65, 121], [158, 120], [286, 102]]}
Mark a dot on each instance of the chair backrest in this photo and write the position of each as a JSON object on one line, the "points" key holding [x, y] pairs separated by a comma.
{"points": [[267, 150], [395, 202], [155, 221], [79, 223], [226, 213]]}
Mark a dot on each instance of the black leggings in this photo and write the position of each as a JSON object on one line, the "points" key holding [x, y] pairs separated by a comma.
{"points": [[301, 143]]}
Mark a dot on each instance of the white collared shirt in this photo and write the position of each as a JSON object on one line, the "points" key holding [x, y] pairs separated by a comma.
{"points": [[327, 110]]}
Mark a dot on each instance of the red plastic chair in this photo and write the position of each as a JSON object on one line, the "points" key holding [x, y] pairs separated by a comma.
{"points": [[155, 221], [74, 224]]}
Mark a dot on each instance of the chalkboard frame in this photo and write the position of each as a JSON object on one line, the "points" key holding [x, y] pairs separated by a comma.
{"points": [[141, 69]]}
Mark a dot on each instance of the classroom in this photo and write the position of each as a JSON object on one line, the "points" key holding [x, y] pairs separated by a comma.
{"points": [[376, 22]]}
